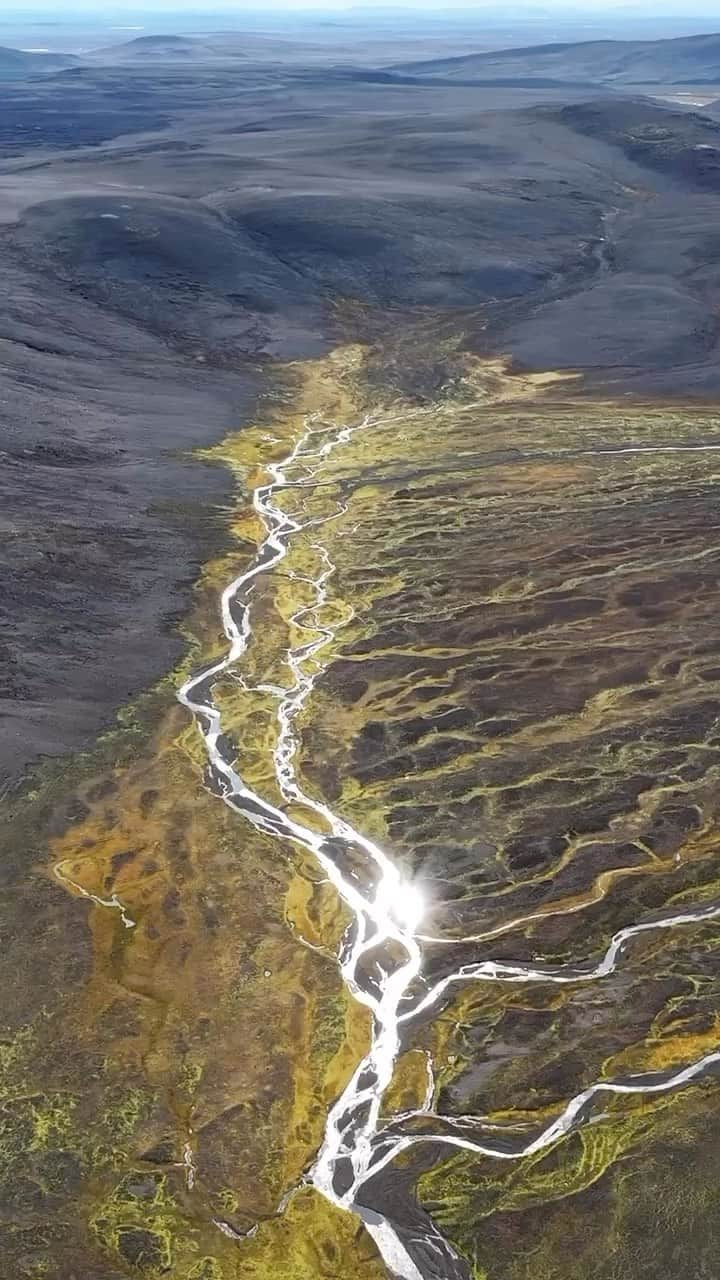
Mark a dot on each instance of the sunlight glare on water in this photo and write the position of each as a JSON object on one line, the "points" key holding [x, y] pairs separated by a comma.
{"points": [[409, 907]]}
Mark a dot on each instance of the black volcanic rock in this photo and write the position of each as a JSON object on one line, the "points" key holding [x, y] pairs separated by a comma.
{"points": [[682, 145]]}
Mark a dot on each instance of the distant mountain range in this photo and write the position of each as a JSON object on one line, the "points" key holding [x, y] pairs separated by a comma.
{"points": [[182, 49], [601, 63], [684, 60]]}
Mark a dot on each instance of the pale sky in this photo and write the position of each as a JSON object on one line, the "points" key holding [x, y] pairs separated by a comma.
{"points": [[499, 8], [601, 17]]}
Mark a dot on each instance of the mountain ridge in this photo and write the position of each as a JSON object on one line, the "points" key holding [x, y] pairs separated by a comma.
{"points": [[677, 59]]}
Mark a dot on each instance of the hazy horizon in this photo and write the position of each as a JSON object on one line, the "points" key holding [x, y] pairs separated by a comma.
{"points": [[53, 26], [483, 11]]}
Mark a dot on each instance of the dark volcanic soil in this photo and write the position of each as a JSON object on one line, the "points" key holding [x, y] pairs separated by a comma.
{"points": [[101, 521], [168, 232]]}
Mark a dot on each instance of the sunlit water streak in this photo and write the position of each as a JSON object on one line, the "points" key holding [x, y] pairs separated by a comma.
{"points": [[386, 908], [113, 903]]}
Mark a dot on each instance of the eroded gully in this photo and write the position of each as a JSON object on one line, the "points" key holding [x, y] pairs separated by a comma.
{"points": [[381, 955]]}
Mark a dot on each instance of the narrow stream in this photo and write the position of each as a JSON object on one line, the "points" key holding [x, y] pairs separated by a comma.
{"points": [[381, 955]]}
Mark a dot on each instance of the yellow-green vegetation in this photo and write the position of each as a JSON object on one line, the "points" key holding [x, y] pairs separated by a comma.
{"points": [[522, 702], [180, 1067], [524, 709]]}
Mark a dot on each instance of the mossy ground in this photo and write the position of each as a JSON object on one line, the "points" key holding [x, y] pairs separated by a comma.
{"points": [[161, 1074], [522, 702], [524, 708]]}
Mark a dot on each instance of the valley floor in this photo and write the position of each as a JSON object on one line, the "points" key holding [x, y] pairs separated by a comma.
{"points": [[520, 704]]}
